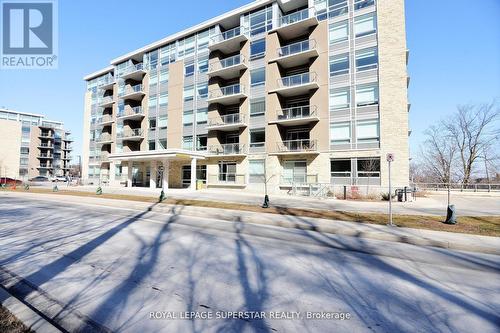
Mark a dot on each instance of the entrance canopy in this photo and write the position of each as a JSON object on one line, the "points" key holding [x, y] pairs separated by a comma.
{"points": [[157, 155]]}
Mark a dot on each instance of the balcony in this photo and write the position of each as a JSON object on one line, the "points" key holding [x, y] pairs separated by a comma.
{"points": [[228, 122], [135, 112], [67, 148], [227, 95], [227, 179], [298, 180], [299, 84], [46, 136], [300, 115], [229, 41], [134, 72], [67, 158], [135, 134], [68, 138], [45, 146], [105, 102], [45, 156], [228, 149], [107, 83], [132, 92], [104, 158], [302, 146], [104, 138], [296, 54], [45, 166], [105, 120], [297, 23], [228, 68]]}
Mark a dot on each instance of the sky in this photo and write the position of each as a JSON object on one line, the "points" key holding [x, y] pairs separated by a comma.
{"points": [[454, 54]]}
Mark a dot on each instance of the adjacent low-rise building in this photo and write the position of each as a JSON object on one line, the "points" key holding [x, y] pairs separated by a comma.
{"points": [[288, 93], [33, 146]]}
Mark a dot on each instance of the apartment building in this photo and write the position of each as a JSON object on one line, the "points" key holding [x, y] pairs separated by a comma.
{"points": [[287, 93], [33, 146]]}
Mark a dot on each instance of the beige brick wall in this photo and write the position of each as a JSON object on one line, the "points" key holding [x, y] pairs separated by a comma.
{"points": [[10, 153]]}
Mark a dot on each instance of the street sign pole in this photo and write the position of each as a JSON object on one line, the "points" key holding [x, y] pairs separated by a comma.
{"points": [[390, 159]]}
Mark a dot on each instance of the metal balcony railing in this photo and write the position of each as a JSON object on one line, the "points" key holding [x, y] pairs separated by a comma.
{"points": [[228, 119], [227, 178], [46, 135], [133, 68], [45, 155], [299, 179], [227, 62], [297, 80], [298, 47], [131, 90], [108, 79], [227, 149], [136, 110], [298, 16], [130, 133], [227, 35], [234, 89], [302, 145], [297, 112], [45, 145]]}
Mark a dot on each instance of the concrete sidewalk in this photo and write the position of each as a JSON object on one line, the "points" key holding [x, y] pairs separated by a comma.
{"points": [[455, 241]]}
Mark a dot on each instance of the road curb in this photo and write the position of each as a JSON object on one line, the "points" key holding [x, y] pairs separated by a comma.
{"points": [[25, 314]]}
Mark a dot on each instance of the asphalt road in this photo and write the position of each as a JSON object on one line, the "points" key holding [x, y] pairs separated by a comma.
{"points": [[90, 268]]}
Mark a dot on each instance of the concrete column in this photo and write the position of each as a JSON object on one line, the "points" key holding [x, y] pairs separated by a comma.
{"points": [[129, 174], [166, 167], [144, 168], [112, 169], [192, 185], [152, 175]]}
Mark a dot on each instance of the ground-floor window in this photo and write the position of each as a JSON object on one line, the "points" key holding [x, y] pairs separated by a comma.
{"points": [[201, 174], [340, 168], [257, 171], [294, 172], [368, 167], [227, 171]]}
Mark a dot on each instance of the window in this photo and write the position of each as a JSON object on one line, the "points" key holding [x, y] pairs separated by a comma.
{"points": [[162, 122], [365, 25], [152, 102], [201, 142], [152, 145], [187, 117], [257, 171], [339, 32], [187, 142], [201, 116], [367, 130], [339, 64], [153, 78], [257, 138], [258, 77], [368, 167], [202, 40], [168, 54], [340, 133], [340, 168], [162, 144], [203, 65], [366, 59], [188, 93], [186, 46], [163, 99], [202, 90], [118, 170], [360, 4], [164, 74], [260, 21], [257, 107], [227, 171], [340, 98], [152, 123], [367, 95], [294, 172], [257, 49], [189, 70]]}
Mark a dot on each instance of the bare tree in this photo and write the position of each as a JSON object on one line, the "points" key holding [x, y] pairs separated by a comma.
{"points": [[438, 154], [370, 166], [473, 129]]}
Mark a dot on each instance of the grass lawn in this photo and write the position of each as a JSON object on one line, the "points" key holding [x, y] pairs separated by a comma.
{"points": [[10, 324], [478, 225]]}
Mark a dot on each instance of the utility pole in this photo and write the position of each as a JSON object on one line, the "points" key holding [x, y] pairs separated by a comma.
{"points": [[390, 159]]}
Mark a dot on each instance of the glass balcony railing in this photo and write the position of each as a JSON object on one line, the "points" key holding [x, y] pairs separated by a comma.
{"points": [[104, 137], [298, 16], [127, 112], [104, 119], [297, 112], [228, 119], [301, 145], [227, 62], [131, 90], [227, 149], [235, 32], [130, 133], [234, 89], [105, 100], [133, 68], [227, 178], [297, 80], [294, 48]]}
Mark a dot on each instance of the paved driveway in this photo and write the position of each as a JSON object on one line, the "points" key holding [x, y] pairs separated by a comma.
{"points": [[106, 269]]}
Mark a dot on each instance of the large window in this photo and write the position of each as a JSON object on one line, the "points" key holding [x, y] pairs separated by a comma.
{"points": [[360, 4], [163, 100], [202, 90], [366, 59], [260, 21], [152, 123], [365, 25], [164, 74], [340, 168], [258, 77], [294, 172], [257, 107], [203, 65], [367, 130], [367, 95], [187, 117], [257, 171], [151, 144], [257, 49], [340, 98], [189, 70], [188, 93], [162, 122], [201, 142], [201, 116], [340, 133], [187, 142], [368, 167], [257, 138], [339, 64], [339, 32]]}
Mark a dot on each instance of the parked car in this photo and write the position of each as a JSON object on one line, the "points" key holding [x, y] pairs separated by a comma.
{"points": [[9, 181], [60, 179], [39, 179]]}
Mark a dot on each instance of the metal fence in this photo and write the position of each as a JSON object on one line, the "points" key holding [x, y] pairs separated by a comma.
{"points": [[458, 187]]}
